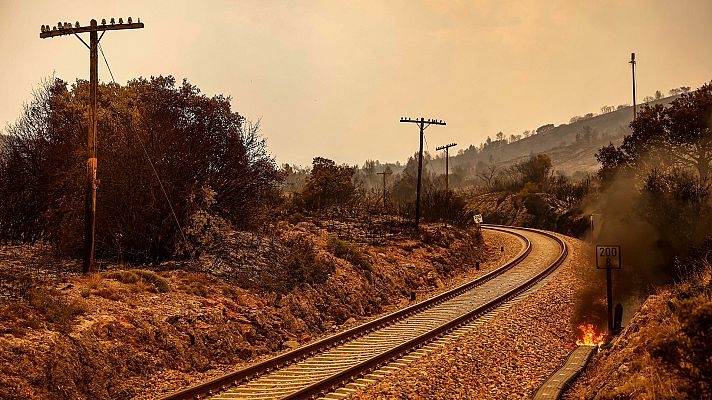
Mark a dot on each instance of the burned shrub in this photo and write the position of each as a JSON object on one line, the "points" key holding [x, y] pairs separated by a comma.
{"points": [[159, 145], [327, 185], [441, 205], [349, 252], [684, 346], [302, 264]]}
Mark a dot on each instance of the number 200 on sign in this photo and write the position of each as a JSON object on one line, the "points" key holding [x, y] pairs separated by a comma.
{"points": [[608, 257]]}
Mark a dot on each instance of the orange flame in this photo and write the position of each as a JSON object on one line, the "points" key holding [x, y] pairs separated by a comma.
{"points": [[589, 336]]}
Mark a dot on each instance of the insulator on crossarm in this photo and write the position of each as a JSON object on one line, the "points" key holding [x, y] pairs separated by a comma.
{"points": [[103, 21], [121, 20], [129, 21], [112, 21], [76, 24]]}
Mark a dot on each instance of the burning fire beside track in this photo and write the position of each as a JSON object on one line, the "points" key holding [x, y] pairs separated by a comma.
{"points": [[589, 336]]}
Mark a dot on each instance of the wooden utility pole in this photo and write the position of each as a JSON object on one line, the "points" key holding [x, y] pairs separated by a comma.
{"points": [[384, 173], [447, 158], [423, 124], [632, 66], [65, 28]]}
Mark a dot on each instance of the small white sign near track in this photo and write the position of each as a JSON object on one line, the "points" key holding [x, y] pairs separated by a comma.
{"points": [[478, 218]]}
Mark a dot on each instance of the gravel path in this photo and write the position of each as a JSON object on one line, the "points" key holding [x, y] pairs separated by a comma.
{"points": [[504, 358]]}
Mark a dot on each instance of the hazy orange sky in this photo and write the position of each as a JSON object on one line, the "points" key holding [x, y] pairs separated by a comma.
{"points": [[331, 78]]}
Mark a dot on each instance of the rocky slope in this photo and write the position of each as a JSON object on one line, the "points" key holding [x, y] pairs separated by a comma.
{"points": [[112, 335]]}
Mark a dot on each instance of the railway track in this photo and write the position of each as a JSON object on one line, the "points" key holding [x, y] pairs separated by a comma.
{"points": [[347, 358]]}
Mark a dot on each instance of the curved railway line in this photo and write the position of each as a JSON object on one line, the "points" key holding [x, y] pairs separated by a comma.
{"points": [[348, 358]]}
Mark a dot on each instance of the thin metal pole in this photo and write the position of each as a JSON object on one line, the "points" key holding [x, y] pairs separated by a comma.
{"points": [[90, 203], [632, 65], [447, 168], [609, 293], [384, 191], [384, 173]]}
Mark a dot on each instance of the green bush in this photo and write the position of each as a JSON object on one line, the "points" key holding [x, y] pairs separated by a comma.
{"points": [[134, 276], [349, 252], [303, 265], [56, 310]]}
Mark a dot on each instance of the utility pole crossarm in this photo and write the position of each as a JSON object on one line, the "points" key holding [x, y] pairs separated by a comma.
{"points": [[67, 28], [445, 147], [423, 121]]}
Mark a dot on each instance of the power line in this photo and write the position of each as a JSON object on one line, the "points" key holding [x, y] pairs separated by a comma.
{"points": [[429, 165], [107, 63], [158, 178], [155, 172]]}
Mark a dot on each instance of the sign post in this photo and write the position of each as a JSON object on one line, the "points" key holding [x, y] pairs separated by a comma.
{"points": [[609, 258]]}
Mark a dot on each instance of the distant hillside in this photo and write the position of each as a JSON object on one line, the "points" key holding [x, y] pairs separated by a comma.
{"points": [[572, 147]]}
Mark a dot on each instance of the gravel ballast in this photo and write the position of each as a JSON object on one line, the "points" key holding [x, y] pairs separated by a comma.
{"points": [[504, 358]]}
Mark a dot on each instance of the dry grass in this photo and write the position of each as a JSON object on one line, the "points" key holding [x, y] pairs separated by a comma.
{"points": [[141, 280], [94, 281], [59, 312]]}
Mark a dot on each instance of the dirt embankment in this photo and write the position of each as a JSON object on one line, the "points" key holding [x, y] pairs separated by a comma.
{"points": [[533, 210], [665, 351], [134, 333]]}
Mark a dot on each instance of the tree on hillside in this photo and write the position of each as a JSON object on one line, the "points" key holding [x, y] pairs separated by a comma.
{"points": [[674, 136], [544, 128], [404, 184], [535, 170], [487, 174], [209, 160], [328, 184], [680, 90]]}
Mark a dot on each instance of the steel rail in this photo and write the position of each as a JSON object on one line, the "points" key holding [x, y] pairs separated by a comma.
{"points": [[223, 382], [346, 376]]}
